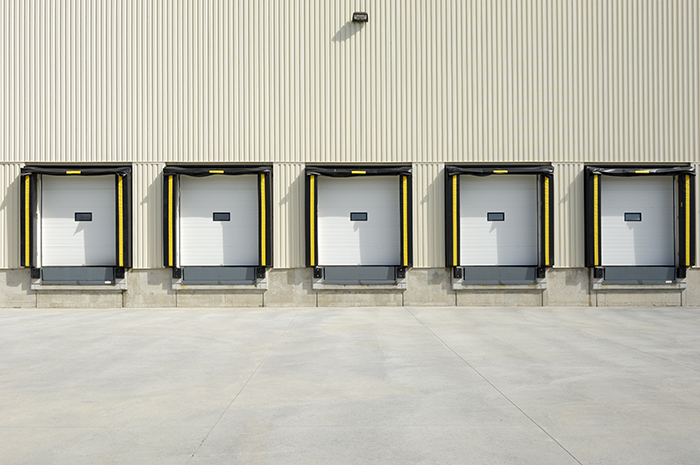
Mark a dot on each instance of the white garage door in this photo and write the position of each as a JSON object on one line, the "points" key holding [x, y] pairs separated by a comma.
{"points": [[219, 221], [637, 221], [498, 220], [78, 220], [358, 221]]}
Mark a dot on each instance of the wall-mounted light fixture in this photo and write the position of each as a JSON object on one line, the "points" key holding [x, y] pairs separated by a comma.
{"points": [[360, 17]]}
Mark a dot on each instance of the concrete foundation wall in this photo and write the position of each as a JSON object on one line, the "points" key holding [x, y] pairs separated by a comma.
{"points": [[293, 288]]}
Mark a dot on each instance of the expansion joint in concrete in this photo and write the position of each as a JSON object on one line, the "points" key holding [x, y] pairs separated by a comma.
{"points": [[494, 387], [243, 387]]}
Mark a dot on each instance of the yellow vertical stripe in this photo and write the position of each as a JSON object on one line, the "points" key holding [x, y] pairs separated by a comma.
{"points": [[262, 220], [546, 221], [170, 220], [596, 259], [687, 220], [120, 193], [405, 220], [27, 245], [312, 226], [455, 261]]}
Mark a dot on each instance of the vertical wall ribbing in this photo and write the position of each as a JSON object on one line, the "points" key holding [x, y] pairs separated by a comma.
{"points": [[569, 231], [288, 215], [429, 217], [9, 215], [569, 82], [148, 215], [440, 81]]}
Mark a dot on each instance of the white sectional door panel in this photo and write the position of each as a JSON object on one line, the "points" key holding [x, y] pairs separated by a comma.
{"points": [[205, 242], [67, 242], [342, 241], [647, 242], [512, 241]]}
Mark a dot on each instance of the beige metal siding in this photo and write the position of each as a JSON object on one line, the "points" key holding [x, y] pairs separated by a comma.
{"points": [[9, 215], [288, 215], [429, 215], [423, 82], [148, 215], [569, 232], [294, 81]]}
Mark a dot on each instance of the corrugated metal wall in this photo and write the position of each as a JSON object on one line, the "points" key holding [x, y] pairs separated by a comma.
{"points": [[288, 222], [9, 215], [294, 81], [429, 215], [148, 215], [569, 233], [423, 82]]}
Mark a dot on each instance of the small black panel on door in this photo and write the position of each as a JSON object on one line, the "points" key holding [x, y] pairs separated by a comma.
{"points": [[83, 216], [633, 216], [358, 216], [495, 216], [222, 216]]}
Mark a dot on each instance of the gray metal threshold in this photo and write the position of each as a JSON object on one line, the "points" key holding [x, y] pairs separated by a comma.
{"points": [[78, 275], [213, 275], [499, 275], [639, 275], [359, 275]]}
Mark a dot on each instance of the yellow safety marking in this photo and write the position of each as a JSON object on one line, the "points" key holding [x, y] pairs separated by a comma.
{"points": [[121, 220], [455, 261], [72, 172], [27, 248], [359, 172], [596, 260], [546, 221], [312, 226], [500, 171], [262, 220], [170, 220], [216, 171], [405, 220], [642, 172], [687, 220]]}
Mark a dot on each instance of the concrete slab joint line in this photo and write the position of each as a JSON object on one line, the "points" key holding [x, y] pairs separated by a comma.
{"points": [[244, 386], [375, 385], [500, 392]]}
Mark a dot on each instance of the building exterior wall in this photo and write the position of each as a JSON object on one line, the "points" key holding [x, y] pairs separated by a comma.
{"points": [[428, 214], [148, 215], [426, 83], [422, 81], [9, 215], [569, 238], [288, 226]]}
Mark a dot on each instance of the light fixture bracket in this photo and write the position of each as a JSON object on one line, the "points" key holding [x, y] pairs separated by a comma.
{"points": [[360, 17]]}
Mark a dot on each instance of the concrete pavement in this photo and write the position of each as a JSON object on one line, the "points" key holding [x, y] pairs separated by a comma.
{"points": [[350, 386]]}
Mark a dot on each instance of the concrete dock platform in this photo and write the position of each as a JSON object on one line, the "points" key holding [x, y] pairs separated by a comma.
{"points": [[350, 386]]}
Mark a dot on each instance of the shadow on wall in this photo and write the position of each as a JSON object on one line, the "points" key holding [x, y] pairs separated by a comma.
{"points": [[10, 202], [294, 200], [347, 31], [18, 279], [153, 206]]}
